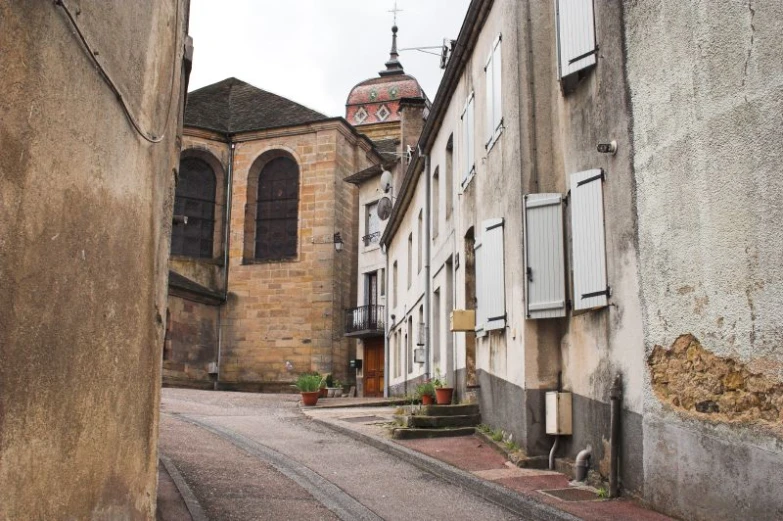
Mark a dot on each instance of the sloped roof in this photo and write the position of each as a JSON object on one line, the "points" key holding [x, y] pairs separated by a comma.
{"points": [[232, 106]]}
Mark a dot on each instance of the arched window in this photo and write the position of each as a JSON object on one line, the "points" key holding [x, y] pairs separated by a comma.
{"points": [[195, 199], [277, 210]]}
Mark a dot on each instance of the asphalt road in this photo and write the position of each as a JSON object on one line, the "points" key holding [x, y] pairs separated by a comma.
{"points": [[255, 457]]}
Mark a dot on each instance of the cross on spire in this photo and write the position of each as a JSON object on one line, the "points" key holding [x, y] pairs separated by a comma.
{"points": [[395, 11]]}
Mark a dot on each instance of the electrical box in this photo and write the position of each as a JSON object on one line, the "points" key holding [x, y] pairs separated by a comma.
{"points": [[558, 413], [418, 356], [212, 368], [463, 320], [355, 363]]}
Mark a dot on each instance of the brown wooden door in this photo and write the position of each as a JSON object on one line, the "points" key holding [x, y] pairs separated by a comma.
{"points": [[373, 367]]}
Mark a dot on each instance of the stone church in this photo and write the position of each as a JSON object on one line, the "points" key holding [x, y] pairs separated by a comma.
{"points": [[265, 252]]}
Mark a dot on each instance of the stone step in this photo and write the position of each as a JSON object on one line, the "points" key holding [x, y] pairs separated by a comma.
{"points": [[402, 433], [450, 410], [440, 422]]}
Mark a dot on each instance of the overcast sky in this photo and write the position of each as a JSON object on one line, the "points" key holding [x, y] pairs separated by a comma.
{"points": [[314, 51]]}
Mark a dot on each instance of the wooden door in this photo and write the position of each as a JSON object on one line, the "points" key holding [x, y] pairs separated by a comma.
{"points": [[373, 367]]}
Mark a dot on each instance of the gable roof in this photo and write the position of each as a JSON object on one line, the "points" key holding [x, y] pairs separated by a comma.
{"points": [[232, 106]]}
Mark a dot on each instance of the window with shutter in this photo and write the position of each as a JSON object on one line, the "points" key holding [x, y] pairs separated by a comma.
{"points": [[589, 242], [576, 45], [490, 278], [494, 109], [546, 295], [468, 161]]}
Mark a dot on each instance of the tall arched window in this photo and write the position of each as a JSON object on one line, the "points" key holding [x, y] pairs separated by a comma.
{"points": [[195, 198], [277, 210]]}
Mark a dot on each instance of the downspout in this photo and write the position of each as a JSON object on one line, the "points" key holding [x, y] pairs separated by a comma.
{"points": [[386, 327], [616, 395], [226, 248], [427, 282]]}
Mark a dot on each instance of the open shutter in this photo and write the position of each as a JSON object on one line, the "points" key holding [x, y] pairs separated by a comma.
{"points": [[497, 95], [467, 140], [546, 294], [575, 35], [494, 287], [481, 316], [589, 242]]}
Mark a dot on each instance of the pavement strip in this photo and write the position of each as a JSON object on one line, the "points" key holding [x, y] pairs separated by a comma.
{"points": [[327, 493], [192, 504]]}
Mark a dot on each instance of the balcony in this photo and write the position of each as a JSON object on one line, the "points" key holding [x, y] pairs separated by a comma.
{"points": [[364, 321]]}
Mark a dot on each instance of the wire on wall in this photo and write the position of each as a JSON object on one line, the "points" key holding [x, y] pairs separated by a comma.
{"points": [[152, 138]]}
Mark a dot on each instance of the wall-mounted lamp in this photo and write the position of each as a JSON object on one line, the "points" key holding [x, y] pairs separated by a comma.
{"points": [[338, 242], [607, 148]]}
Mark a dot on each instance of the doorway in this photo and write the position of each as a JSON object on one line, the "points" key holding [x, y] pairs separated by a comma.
{"points": [[373, 367]]}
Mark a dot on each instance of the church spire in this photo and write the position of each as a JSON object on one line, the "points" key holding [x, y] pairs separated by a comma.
{"points": [[393, 66]]}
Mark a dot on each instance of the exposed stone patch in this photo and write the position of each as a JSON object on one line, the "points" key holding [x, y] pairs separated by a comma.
{"points": [[691, 378]]}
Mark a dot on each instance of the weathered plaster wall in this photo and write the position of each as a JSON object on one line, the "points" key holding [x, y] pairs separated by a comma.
{"points": [[85, 213], [706, 82]]}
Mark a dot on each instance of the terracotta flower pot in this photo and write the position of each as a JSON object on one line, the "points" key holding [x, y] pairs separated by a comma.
{"points": [[426, 399], [443, 395], [323, 392], [310, 399]]}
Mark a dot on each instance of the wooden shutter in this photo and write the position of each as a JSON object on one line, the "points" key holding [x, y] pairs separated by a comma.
{"points": [[546, 295], [575, 35], [468, 153], [589, 242], [481, 316], [497, 95], [493, 286], [489, 129]]}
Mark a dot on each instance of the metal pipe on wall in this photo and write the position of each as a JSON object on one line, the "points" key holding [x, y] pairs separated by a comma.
{"points": [[226, 247], [616, 396], [427, 282]]}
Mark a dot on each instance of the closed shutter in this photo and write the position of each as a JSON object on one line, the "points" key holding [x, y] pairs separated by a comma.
{"points": [[575, 35], [491, 287], [589, 242], [546, 295]]}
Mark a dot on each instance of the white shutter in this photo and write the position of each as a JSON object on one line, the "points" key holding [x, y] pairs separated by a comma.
{"points": [[575, 35], [589, 243], [546, 295], [489, 129], [467, 140], [471, 129], [481, 307], [493, 283], [497, 99]]}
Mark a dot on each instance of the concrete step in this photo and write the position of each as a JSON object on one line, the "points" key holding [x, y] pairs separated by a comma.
{"points": [[450, 410], [403, 433], [440, 422]]}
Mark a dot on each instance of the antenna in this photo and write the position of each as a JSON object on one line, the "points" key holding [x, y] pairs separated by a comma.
{"points": [[386, 181]]}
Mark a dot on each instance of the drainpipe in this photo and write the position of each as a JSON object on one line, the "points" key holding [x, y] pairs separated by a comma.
{"points": [[386, 327], [226, 246], [616, 395], [427, 282], [583, 463]]}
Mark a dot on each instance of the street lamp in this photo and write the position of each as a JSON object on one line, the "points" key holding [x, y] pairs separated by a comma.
{"points": [[338, 242]]}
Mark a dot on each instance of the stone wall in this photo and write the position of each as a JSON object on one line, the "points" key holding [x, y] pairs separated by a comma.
{"points": [[191, 343], [85, 207]]}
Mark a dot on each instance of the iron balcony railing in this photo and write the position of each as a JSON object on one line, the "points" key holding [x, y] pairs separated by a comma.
{"points": [[372, 238], [364, 321]]}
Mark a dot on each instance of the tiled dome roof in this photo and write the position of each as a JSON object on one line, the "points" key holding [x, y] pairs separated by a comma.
{"points": [[377, 100]]}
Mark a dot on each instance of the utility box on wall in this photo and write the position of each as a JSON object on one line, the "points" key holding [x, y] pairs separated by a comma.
{"points": [[558, 413], [463, 320]]}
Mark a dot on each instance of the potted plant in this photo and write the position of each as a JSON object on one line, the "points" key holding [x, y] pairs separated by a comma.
{"points": [[426, 393], [309, 386], [323, 389], [338, 388], [443, 394]]}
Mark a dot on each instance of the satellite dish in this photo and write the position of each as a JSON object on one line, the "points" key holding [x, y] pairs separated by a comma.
{"points": [[384, 208], [386, 181]]}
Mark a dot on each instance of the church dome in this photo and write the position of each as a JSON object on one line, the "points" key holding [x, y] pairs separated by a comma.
{"points": [[377, 100]]}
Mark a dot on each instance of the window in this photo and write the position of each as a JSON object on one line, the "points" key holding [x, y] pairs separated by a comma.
{"points": [[435, 202], [372, 225], [490, 278], [591, 289], [397, 355], [410, 259], [277, 210], [494, 95], [195, 199], [394, 284], [468, 160], [420, 245], [382, 281], [449, 181], [546, 297], [576, 48], [409, 340], [371, 288]]}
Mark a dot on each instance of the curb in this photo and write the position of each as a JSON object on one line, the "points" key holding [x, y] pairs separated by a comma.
{"points": [[192, 504], [520, 505]]}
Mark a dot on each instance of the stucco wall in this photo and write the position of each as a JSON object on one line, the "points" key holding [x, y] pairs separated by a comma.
{"points": [[191, 342], [85, 207], [706, 82]]}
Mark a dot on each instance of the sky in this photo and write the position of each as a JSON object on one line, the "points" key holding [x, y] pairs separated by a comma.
{"points": [[314, 51]]}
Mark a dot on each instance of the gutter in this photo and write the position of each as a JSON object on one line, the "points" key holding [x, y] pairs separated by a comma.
{"points": [[427, 278], [226, 249]]}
